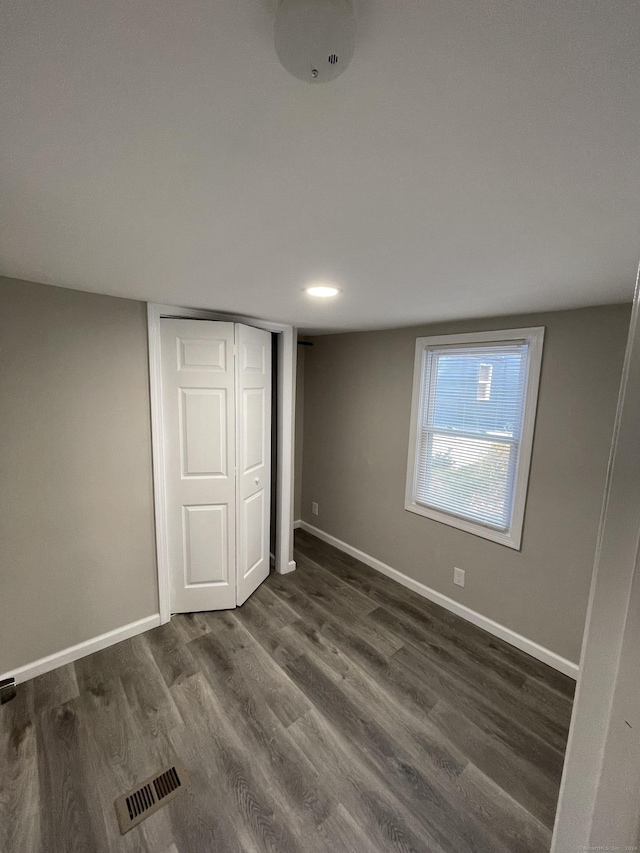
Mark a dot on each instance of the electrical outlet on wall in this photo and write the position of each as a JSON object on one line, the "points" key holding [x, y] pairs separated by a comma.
{"points": [[314, 508], [458, 576]]}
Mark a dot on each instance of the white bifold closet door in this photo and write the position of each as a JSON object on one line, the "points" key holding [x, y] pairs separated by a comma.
{"points": [[216, 388], [253, 458]]}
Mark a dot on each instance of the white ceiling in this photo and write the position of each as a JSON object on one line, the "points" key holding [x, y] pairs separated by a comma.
{"points": [[478, 157]]}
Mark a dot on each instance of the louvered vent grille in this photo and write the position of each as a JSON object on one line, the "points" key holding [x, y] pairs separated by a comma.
{"points": [[148, 797], [166, 783], [140, 801]]}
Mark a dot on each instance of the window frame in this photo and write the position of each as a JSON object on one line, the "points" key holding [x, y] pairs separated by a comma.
{"points": [[512, 537]]}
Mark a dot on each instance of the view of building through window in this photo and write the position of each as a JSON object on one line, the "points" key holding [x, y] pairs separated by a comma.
{"points": [[470, 431], [470, 416]]}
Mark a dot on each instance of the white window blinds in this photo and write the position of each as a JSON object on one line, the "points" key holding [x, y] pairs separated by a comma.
{"points": [[470, 423]]}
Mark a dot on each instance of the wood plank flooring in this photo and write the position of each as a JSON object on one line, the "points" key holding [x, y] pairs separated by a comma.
{"points": [[335, 711]]}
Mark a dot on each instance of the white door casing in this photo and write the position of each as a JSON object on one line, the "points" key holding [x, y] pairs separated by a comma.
{"points": [[198, 385], [253, 457]]}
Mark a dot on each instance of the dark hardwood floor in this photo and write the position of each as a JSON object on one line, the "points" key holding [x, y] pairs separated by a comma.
{"points": [[334, 711]]}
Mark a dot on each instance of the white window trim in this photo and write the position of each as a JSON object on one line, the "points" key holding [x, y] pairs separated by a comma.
{"points": [[512, 538]]}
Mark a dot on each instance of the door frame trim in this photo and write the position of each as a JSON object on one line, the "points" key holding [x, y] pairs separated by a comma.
{"points": [[285, 406]]}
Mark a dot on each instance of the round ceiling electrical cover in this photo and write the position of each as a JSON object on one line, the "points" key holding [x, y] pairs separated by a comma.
{"points": [[315, 39]]}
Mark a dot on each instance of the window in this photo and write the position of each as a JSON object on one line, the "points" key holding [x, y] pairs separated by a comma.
{"points": [[473, 412]]}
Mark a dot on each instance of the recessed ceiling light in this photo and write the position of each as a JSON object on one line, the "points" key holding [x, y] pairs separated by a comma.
{"points": [[323, 291]]}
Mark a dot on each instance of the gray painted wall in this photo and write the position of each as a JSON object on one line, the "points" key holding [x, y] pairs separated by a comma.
{"points": [[357, 402], [77, 554]]}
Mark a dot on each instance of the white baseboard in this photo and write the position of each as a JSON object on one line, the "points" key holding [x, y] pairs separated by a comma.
{"points": [[529, 646], [73, 653], [297, 524], [290, 568]]}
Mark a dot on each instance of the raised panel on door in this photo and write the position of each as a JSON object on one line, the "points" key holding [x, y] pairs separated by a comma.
{"points": [[203, 417], [206, 557], [253, 418], [253, 531], [253, 436], [203, 354], [199, 419]]}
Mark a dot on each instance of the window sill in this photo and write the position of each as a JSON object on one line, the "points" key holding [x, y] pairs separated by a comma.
{"points": [[511, 538]]}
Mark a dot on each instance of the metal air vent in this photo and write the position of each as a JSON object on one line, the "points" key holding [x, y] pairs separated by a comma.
{"points": [[149, 796]]}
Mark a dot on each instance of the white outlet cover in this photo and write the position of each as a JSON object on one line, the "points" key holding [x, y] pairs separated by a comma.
{"points": [[458, 577], [314, 508]]}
